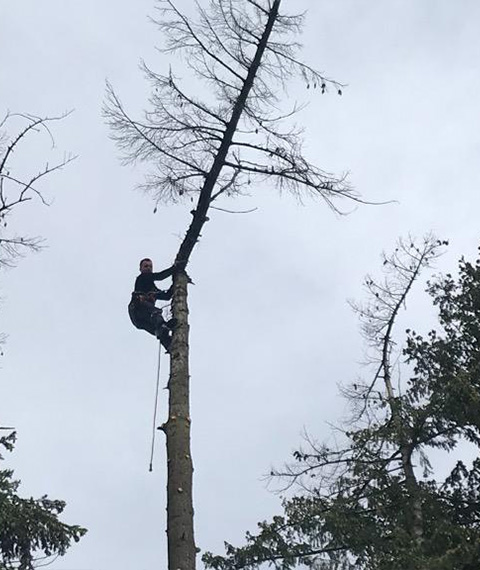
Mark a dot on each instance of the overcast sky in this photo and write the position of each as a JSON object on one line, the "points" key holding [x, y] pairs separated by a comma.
{"points": [[272, 335]]}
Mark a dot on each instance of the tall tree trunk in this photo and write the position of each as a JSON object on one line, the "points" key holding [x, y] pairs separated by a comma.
{"points": [[404, 441], [181, 543], [405, 447]]}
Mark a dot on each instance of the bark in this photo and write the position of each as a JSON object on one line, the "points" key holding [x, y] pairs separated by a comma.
{"points": [[181, 542], [404, 442], [180, 531], [405, 446]]}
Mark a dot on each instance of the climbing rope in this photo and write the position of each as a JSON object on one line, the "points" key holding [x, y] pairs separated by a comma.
{"points": [[154, 424]]}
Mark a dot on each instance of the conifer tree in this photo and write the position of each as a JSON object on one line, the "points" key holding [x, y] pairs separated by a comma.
{"points": [[30, 529], [375, 502], [213, 148]]}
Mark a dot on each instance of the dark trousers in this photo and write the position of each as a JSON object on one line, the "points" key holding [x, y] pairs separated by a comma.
{"points": [[146, 316]]}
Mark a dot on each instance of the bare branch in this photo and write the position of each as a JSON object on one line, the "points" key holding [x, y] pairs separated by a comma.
{"points": [[185, 137], [191, 34], [227, 186], [234, 211], [18, 188], [386, 298]]}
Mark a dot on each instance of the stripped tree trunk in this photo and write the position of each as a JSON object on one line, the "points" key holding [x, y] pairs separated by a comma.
{"points": [[405, 448], [405, 442], [181, 543], [197, 153]]}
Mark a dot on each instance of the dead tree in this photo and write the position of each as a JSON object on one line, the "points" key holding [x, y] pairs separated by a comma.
{"points": [[17, 187], [204, 150], [378, 317]]}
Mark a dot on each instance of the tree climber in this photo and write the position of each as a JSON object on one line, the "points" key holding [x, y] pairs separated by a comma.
{"points": [[142, 310]]}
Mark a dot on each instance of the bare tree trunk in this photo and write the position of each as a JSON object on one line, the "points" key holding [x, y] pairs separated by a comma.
{"points": [[404, 441], [181, 543], [413, 488], [197, 152], [378, 317], [411, 483]]}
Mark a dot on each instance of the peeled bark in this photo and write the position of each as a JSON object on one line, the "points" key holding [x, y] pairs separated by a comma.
{"points": [[181, 543]]}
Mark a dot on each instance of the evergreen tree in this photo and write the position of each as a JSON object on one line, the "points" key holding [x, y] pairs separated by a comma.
{"points": [[30, 529], [375, 503]]}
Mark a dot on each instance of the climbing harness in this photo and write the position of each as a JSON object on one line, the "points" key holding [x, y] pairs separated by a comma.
{"points": [[154, 424]]}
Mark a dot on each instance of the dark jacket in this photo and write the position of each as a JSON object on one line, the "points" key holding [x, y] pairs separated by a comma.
{"points": [[145, 284]]}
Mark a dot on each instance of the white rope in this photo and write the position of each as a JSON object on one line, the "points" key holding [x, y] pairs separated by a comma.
{"points": [[154, 424]]}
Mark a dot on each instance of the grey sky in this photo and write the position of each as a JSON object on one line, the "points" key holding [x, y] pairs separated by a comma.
{"points": [[272, 334]]}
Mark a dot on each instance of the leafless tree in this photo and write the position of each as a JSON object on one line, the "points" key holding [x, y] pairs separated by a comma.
{"points": [[16, 187], [378, 317], [235, 139]]}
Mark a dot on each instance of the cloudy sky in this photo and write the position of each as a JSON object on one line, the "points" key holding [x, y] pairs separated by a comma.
{"points": [[272, 335]]}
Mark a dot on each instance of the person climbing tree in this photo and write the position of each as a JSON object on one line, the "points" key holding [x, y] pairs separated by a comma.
{"points": [[142, 310], [207, 150]]}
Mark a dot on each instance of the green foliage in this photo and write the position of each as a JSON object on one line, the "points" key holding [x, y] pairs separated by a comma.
{"points": [[29, 528], [375, 503]]}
